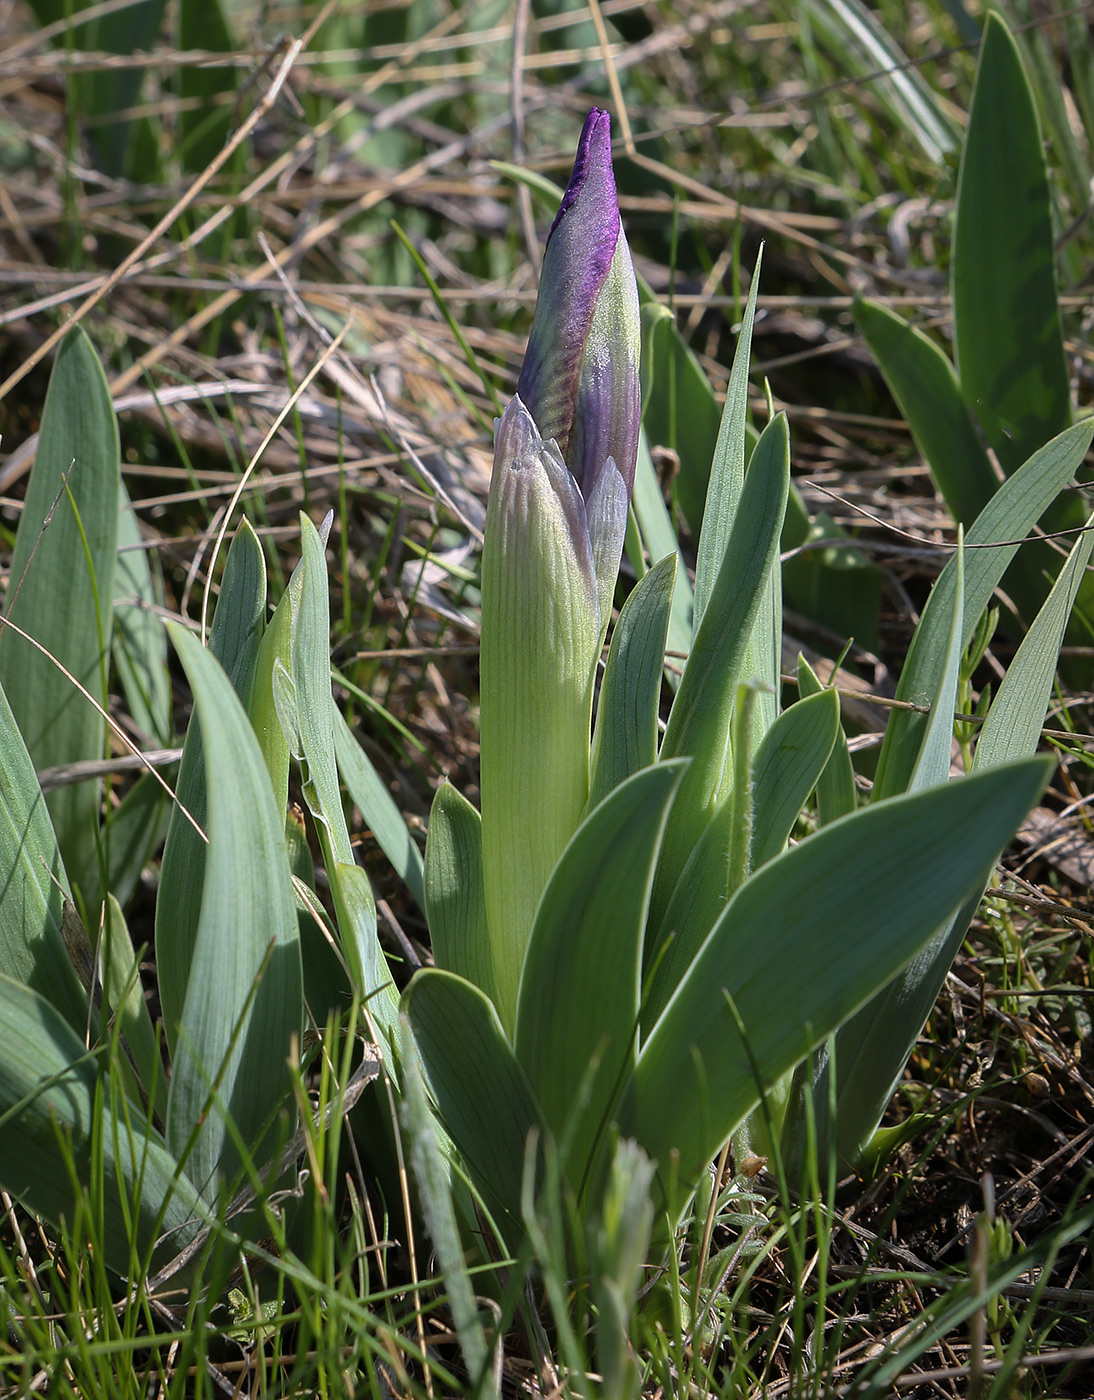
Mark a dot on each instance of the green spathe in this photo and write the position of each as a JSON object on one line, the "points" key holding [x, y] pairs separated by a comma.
{"points": [[541, 631]]}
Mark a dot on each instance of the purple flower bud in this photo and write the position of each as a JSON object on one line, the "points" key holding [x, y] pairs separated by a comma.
{"points": [[580, 374]]}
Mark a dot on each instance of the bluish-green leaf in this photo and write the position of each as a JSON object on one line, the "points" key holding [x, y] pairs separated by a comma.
{"points": [[375, 803], [48, 1085], [630, 693], [234, 640], [933, 762], [836, 785], [140, 644], [1012, 728], [1008, 341], [34, 886], [925, 387], [702, 713], [1008, 516], [803, 943], [455, 900], [244, 997], [61, 591], [481, 1092], [575, 1039], [786, 769], [727, 471], [679, 410]]}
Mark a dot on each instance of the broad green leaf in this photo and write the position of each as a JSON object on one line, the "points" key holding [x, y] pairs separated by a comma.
{"points": [[434, 1183], [455, 900], [726, 484], [274, 659], [356, 906], [234, 640], [700, 895], [313, 703], [140, 644], [61, 592], [313, 698], [925, 387], [33, 891], [575, 1042], [786, 769], [836, 785], [679, 410], [702, 713], [244, 998], [873, 1047], [630, 693], [481, 1092], [659, 538], [1011, 513], [1008, 342], [800, 946], [375, 803], [49, 1085]]}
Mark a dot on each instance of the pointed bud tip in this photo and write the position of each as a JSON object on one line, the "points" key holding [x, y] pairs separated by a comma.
{"points": [[592, 167]]}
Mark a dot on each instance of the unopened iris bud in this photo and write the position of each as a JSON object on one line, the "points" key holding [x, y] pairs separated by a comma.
{"points": [[580, 378], [564, 459]]}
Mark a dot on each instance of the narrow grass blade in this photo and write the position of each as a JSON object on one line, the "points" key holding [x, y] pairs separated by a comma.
{"points": [[244, 998], [481, 1092], [807, 940], [925, 387], [630, 693], [865, 47], [455, 900], [49, 1085], [34, 886], [1008, 516], [575, 1044], [1008, 341], [786, 769], [378, 808], [61, 592], [234, 639]]}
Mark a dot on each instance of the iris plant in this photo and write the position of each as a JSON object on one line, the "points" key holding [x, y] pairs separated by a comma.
{"points": [[564, 463]]}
